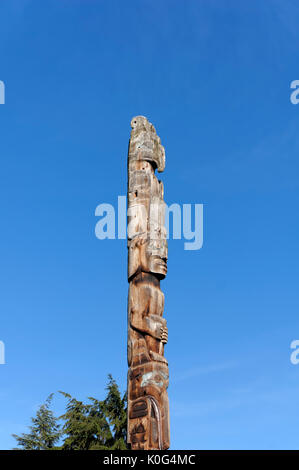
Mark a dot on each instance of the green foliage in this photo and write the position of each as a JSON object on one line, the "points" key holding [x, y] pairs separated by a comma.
{"points": [[85, 426], [96, 425], [116, 412], [44, 432]]}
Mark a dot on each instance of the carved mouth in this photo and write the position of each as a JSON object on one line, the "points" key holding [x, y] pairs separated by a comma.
{"points": [[163, 263]]}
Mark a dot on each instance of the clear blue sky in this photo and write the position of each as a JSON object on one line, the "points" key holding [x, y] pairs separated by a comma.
{"points": [[214, 78]]}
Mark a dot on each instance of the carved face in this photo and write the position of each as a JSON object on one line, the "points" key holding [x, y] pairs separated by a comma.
{"points": [[147, 244], [149, 256], [157, 253]]}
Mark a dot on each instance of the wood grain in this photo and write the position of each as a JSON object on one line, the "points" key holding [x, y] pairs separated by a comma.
{"points": [[148, 408]]}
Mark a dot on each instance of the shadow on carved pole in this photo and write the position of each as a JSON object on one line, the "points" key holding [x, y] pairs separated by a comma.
{"points": [[148, 409]]}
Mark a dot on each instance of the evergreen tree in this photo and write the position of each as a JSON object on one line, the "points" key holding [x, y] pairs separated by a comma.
{"points": [[44, 431], [116, 412], [96, 425], [85, 426]]}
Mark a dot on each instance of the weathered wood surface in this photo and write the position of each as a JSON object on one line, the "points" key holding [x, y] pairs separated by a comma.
{"points": [[148, 409]]}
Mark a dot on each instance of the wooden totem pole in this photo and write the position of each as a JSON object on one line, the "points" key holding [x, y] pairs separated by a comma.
{"points": [[148, 409]]}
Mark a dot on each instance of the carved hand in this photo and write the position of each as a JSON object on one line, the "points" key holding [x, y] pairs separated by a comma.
{"points": [[164, 334]]}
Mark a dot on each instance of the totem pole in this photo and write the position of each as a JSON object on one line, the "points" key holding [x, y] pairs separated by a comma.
{"points": [[148, 409]]}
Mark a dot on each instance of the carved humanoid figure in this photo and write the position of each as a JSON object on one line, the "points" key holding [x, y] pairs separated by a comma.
{"points": [[148, 410]]}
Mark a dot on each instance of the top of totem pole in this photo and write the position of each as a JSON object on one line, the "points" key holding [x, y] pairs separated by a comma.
{"points": [[145, 144]]}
